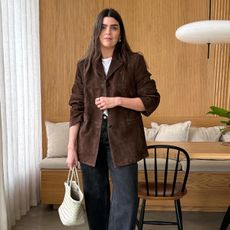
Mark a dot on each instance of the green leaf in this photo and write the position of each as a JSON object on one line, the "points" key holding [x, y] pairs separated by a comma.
{"points": [[225, 122], [219, 111]]}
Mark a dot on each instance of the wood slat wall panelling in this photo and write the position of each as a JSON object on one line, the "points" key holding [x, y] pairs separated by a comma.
{"points": [[221, 97], [182, 71]]}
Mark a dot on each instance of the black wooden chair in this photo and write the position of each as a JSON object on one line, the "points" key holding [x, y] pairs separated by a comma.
{"points": [[164, 180], [226, 220]]}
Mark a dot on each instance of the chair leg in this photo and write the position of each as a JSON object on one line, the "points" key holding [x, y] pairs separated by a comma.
{"points": [[142, 215], [137, 221], [226, 220], [178, 214]]}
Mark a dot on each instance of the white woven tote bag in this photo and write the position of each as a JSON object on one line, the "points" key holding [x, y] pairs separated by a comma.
{"points": [[71, 210]]}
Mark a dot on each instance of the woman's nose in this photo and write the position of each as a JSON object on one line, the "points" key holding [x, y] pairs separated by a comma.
{"points": [[108, 30]]}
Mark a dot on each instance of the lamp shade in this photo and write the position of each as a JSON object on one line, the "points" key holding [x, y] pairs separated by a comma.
{"points": [[202, 32]]}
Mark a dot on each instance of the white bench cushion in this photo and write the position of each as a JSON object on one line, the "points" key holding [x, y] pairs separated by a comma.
{"points": [[200, 165], [53, 163], [60, 163], [160, 164]]}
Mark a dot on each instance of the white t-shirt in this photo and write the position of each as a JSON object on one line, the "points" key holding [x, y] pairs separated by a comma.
{"points": [[106, 64]]}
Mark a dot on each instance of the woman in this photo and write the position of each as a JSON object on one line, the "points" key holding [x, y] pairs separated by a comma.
{"points": [[111, 89]]}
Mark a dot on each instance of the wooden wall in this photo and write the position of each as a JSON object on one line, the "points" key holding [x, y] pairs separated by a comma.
{"points": [[221, 71], [187, 80]]}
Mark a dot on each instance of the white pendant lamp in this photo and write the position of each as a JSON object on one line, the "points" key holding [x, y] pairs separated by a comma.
{"points": [[203, 32]]}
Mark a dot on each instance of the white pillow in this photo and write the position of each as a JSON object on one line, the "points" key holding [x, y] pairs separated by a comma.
{"points": [[211, 134], [226, 137], [174, 132], [57, 138], [150, 134]]}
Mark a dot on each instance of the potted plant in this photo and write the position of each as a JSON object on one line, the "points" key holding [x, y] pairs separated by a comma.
{"points": [[222, 113]]}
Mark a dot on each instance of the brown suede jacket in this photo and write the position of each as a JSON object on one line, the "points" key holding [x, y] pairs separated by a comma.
{"points": [[125, 126]]}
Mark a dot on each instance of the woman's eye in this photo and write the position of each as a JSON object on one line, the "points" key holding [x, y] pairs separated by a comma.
{"points": [[114, 28]]}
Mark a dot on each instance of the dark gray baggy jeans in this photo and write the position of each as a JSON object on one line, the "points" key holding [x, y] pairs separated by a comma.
{"points": [[119, 212]]}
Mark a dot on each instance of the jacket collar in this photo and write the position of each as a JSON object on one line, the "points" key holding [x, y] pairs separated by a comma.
{"points": [[115, 64]]}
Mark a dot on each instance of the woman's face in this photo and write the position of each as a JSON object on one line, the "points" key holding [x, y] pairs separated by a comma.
{"points": [[110, 33]]}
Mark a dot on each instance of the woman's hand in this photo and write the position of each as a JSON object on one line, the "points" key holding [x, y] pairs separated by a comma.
{"points": [[103, 103], [72, 159]]}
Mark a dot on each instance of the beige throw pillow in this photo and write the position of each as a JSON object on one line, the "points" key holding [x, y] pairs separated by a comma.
{"points": [[174, 132], [150, 134], [57, 138], [210, 134], [226, 137]]}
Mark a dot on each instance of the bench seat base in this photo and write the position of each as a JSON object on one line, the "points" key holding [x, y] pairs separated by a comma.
{"points": [[207, 191]]}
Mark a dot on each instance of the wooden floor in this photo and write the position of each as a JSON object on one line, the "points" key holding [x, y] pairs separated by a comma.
{"points": [[45, 218]]}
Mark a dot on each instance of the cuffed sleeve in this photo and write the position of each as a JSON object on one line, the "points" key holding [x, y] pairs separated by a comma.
{"points": [[76, 101], [146, 87]]}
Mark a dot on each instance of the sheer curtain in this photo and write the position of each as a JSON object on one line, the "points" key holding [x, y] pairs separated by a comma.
{"points": [[20, 108], [3, 211]]}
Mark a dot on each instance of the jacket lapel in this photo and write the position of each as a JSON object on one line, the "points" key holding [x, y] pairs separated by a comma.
{"points": [[115, 64], [100, 70]]}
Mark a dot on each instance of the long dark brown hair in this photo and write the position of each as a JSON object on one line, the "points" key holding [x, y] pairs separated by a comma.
{"points": [[122, 48]]}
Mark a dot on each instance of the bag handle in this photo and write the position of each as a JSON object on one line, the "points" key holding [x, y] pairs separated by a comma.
{"points": [[73, 176]]}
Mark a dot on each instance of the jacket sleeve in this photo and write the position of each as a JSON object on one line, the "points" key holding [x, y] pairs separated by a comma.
{"points": [[146, 87], [76, 101]]}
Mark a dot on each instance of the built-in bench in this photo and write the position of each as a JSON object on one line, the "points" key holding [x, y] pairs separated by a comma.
{"points": [[209, 178]]}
